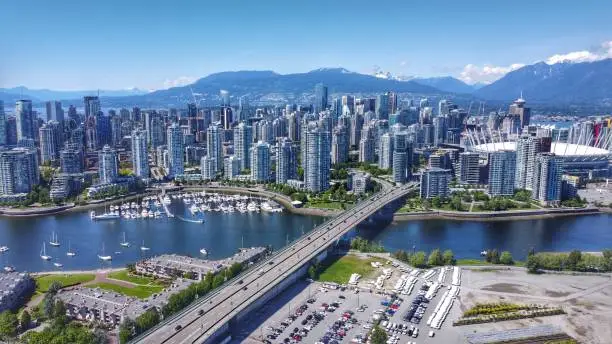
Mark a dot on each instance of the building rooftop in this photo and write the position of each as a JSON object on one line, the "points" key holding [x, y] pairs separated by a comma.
{"points": [[559, 148]]}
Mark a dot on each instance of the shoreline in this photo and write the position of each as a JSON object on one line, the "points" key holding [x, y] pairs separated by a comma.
{"points": [[497, 216], [285, 202]]}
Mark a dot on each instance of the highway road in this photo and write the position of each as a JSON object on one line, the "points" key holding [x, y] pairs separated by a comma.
{"points": [[204, 317]]}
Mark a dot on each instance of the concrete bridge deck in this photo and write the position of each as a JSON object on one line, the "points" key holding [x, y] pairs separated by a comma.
{"points": [[205, 318]]}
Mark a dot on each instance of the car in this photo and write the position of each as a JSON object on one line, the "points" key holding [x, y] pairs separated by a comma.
{"points": [[201, 312], [178, 327], [415, 333], [271, 262], [245, 288], [240, 282], [342, 297]]}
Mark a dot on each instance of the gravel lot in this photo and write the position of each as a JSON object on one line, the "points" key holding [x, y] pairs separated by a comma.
{"points": [[587, 299]]}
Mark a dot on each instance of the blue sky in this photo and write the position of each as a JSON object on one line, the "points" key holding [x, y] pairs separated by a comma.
{"points": [[116, 44]]}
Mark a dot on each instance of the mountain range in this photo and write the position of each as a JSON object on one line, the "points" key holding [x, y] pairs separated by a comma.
{"points": [[557, 84]]}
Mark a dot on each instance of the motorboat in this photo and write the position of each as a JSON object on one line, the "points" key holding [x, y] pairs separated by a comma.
{"points": [[105, 216], [43, 253], [483, 253], [58, 264], [3, 249], [54, 241], [9, 268], [203, 251]]}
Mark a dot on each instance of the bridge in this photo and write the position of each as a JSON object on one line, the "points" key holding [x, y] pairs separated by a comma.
{"points": [[208, 319]]}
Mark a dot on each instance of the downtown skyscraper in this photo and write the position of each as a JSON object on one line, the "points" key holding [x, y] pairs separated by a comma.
{"points": [[340, 145], [24, 119], [140, 159], [317, 159], [260, 162], [3, 129], [502, 166], [108, 167], [50, 141], [214, 148], [547, 175], [176, 150], [243, 137], [320, 103], [286, 161]]}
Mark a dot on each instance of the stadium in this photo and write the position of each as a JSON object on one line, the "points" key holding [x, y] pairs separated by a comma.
{"points": [[586, 161]]}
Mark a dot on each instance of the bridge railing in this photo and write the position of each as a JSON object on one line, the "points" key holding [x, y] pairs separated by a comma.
{"points": [[252, 269]]}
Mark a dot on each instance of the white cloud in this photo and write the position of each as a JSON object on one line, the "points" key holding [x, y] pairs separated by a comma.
{"points": [[180, 81], [472, 74], [604, 51]]}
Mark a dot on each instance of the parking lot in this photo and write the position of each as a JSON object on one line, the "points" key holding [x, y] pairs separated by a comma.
{"points": [[316, 312]]}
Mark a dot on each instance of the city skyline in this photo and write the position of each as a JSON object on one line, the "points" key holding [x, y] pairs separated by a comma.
{"points": [[128, 49]]}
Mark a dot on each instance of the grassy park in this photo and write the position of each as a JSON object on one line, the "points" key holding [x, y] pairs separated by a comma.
{"points": [[340, 270], [139, 291], [44, 281]]}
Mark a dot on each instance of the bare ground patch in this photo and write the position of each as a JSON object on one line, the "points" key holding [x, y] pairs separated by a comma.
{"points": [[505, 288]]}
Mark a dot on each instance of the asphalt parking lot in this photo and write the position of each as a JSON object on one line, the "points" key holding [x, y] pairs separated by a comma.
{"points": [[276, 321]]}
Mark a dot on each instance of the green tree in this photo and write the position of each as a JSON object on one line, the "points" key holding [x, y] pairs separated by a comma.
{"points": [[573, 259], [448, 257], [378, 335], [533, 264], [54, 287], [59, 309], [47, 306], [147, 320], [25, 320], [435, 258], [126, 330], [8, 325], [218, 280], [419, 260], [234, 270], [506, 258]]}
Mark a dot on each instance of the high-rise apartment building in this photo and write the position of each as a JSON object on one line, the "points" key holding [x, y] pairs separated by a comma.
{"points": [[502, 165], [108, 167], [18, 171], [340, 145], [527, 147], [260, 162], [71, 159], [24, 119], [174, 137], [402, 157], [140, 157], [243, 137], [382, 106], [3, 126], [286, 161], [214, 148], [55, 111], [50, 137], [385, 159], [434, 183], [232, 167], [367, 145], [317, 160], [469, 170], [547, 179]]}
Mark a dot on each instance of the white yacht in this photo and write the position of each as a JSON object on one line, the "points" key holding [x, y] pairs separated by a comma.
{"points": [[104, 257], [143, 247], [54, 241], [9, 268], [70, 253], [58, 264], [3, 249], [203, 251], [43, 253], [124, 243]]}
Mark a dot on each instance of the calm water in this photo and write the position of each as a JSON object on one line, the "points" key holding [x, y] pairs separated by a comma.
{"points": [[468, 238], [222, 235]]}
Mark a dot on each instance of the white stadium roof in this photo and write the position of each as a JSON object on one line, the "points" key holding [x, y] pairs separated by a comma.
{"points": [[559, 148]]}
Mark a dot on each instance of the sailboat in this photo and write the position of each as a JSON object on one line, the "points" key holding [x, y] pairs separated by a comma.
{"points": [[43, 253], [143, 247], [70, 253], [103, 257], [54, 241], [58, 264], [124, 243]]}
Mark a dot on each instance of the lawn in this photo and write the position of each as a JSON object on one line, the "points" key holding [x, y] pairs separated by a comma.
{"points": [[140, 291], [340, 270], [325, 205], [123, 275], [44, 281]]}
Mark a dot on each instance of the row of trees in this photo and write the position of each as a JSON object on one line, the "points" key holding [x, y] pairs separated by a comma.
{"points": [[421, 260], [573, 261], [176, 302], [363, 245], [494, 257]]}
